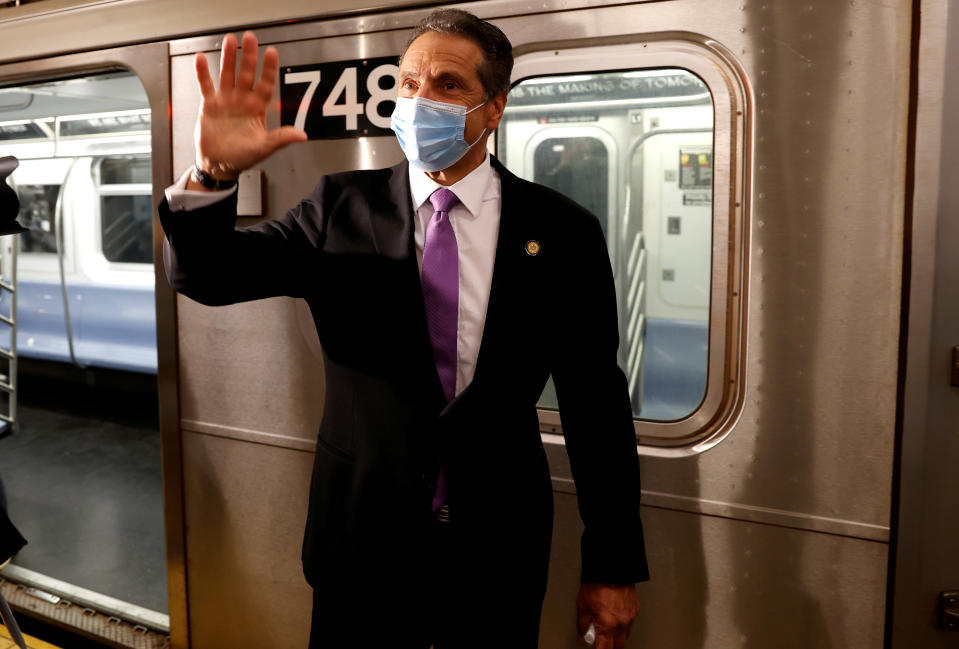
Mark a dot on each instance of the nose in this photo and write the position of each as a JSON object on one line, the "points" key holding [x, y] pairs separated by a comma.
{"points": [[425, 91]]}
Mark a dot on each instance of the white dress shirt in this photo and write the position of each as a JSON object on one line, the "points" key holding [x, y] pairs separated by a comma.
{"points": [[475, 221], [182, 199]]}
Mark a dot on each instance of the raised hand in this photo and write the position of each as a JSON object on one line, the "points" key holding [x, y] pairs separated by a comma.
{"points": [[231, 134]]}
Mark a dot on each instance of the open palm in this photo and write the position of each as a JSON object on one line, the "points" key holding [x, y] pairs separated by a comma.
{"points": [[231, 133]]}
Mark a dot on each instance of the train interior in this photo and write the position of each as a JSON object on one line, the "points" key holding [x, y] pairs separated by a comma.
{"points": [[635, 148], [82, 461]]}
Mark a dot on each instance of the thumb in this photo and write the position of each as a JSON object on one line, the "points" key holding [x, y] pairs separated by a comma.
{"points": [[285, 135]]}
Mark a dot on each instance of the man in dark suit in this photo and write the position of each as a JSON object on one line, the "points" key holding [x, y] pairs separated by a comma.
{"points": [[441, 314]]}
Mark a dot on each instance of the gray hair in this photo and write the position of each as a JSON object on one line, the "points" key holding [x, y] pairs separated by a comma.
{"points": [[497, 64]]}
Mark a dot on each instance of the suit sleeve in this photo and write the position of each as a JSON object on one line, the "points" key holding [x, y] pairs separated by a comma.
{"points": [[210, 260], [596, 413]]}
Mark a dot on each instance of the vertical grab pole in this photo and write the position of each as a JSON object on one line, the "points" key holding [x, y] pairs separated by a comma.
{"points": [[58, 237], [9, 210], [14, 252], [8, 283]]}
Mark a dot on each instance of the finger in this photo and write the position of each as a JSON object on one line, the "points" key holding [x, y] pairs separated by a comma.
{"points": [[247, 62], [228, 63], [203, 80], [271, 68]]}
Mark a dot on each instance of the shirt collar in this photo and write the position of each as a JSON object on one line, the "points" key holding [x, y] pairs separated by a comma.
{"points": [[468, 190]]}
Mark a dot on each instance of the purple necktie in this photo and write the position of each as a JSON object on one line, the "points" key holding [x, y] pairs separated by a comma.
{"points": [[441, 297]]}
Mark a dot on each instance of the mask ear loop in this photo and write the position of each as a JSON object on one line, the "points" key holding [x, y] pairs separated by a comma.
{"points": [[484, 128], [477, 139]]}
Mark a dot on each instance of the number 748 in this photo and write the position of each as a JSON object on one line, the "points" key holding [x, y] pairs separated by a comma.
{"points": [[345, 88]]}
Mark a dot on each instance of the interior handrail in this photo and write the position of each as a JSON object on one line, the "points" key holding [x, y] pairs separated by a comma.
{"points": [[58, 237]]}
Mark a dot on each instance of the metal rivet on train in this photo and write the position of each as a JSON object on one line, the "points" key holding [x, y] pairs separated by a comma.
{"points": [[532, 247]]}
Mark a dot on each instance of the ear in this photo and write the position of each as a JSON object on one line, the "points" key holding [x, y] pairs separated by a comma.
{"points": [[497, 104]]}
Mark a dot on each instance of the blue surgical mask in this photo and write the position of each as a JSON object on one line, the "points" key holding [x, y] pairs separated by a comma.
{"points": [[431, 133]]}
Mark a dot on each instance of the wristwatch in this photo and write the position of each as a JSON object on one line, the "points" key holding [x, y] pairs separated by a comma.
{"points": [[209, 181]]}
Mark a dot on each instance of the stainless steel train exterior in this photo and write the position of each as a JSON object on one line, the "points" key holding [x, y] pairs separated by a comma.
{"points": [[805, 497]]}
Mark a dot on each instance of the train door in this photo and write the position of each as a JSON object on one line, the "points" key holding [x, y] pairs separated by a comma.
{"points": [[654, 121], [925, 584], [83, 467]]}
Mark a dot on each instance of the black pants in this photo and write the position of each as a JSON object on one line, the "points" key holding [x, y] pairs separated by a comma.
{"points": [[453, 604]]}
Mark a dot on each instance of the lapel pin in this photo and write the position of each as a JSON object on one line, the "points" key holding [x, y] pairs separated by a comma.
{"points": [[532, 247]]}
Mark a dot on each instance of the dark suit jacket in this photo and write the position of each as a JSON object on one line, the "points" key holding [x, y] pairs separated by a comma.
{"points": [[348, 249], [11, 541]]}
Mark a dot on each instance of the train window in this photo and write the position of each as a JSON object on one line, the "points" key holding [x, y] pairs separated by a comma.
{"points": [[125, 171], [22, 130], [126, 208], [634, 147], [126, 228], [37, 207], [117, 122], [577, 167]]}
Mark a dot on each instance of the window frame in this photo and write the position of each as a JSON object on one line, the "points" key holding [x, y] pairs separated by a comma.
{"points": [[723, 400], [116, 189]]}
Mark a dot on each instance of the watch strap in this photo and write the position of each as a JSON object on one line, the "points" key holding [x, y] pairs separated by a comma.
{"points": [[209, 181]]}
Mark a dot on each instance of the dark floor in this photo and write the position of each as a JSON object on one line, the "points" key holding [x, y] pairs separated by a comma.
{"points": [[83, 481]]}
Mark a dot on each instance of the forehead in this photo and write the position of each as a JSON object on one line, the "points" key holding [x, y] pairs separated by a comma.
{"points": [[433, 53]]}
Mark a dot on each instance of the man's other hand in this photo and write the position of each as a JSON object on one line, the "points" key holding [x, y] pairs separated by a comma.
{"points": [[231, 134], [611, 608]]}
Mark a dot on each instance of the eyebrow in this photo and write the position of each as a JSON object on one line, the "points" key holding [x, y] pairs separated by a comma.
{"points": [[442, 74], [450, 74]]}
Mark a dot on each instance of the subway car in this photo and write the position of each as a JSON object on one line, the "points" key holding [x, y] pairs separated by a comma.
{"points": [[85, 264], [777, 187]]}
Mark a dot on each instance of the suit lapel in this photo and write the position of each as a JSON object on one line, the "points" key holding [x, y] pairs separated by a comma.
{"points": [[509, 249], [391, 219], [393, 228]]}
